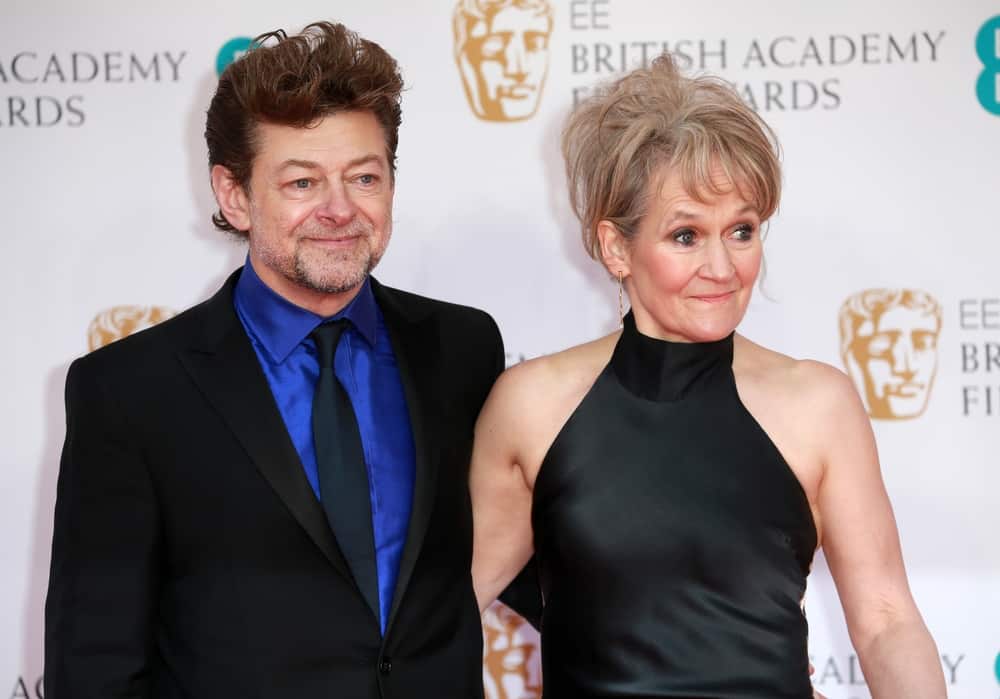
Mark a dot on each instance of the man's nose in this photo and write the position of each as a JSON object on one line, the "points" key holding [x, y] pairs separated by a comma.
{"points": [[337, 206]]}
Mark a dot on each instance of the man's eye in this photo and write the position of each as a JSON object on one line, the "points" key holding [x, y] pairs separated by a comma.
{"points": [[303, 183], [367, 179]]}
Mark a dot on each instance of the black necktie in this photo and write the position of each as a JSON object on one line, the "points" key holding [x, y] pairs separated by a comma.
{"points": [[340, 461]]}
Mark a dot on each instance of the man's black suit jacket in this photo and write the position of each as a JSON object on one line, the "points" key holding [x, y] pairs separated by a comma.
{"points": [[190, 557]]}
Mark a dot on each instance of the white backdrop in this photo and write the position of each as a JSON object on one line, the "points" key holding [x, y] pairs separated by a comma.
{"points": [[891, 176]]}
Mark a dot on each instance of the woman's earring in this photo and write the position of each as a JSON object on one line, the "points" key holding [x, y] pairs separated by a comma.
{"points": [[621, 300]]}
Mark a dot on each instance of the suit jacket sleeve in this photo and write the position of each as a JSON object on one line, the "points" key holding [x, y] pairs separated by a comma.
{"points": [[103, 581]]}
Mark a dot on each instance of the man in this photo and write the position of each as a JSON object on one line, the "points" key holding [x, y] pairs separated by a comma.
{"points": [[266, 496], [502, 52], [888, 341]]}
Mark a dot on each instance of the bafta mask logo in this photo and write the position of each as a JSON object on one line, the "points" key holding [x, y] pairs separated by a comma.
{"points": [[121, 321], [502, 51], [888, 341], [510, 656]]}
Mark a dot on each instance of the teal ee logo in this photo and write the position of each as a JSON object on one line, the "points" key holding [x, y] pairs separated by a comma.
{"points": [[988, 50], [996, 667], [230, 51]]}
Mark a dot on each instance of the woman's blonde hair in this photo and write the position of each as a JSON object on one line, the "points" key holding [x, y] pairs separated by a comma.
{"points": [[618, 139]]}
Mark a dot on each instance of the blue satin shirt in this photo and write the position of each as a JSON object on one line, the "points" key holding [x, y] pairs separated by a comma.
{"points": [[366, 366]]}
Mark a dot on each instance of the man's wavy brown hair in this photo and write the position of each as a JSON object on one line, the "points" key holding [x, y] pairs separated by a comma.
{"points": [[295, 81]]}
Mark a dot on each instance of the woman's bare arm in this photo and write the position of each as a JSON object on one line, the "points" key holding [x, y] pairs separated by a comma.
{"points": [[501, 498], [861, 543]]}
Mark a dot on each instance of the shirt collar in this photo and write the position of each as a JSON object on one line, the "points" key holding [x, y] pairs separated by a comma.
{"points": [[281, 326]]}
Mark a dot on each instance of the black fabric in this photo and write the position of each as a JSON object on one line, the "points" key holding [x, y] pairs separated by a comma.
{"points": [[340, 465], [523, 595], [673, 541], [190, 556]]}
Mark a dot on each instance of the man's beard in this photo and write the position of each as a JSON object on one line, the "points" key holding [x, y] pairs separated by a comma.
{"points": [[341, 270], [328, 271]]}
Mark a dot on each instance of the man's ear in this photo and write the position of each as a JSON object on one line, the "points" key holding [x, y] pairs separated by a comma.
{"points": [[231, 197], [614, 249]]}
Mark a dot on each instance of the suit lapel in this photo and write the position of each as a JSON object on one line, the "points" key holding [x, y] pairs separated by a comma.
{"points": [[224, 366], [415, 343]]}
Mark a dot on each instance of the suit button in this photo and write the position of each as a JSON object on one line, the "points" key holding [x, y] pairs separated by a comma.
{"points": [[385, 666]]}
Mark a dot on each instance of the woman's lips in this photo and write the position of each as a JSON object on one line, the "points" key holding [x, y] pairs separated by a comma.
{"points": [[714, 298]]}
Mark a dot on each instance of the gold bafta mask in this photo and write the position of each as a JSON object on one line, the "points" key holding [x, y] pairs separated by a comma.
{"points": [[510, 656], [121, 321], [502, 52], [888, 341]]}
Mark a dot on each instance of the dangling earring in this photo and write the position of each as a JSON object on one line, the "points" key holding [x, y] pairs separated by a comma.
{"points": [[621, 301]]}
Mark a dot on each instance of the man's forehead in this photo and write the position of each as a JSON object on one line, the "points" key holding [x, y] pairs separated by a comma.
{"points": [[331, 139]]}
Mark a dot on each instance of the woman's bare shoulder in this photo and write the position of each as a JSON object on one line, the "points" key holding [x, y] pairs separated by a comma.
{"points": [[559, 373], [532, 400], [806, 384]]}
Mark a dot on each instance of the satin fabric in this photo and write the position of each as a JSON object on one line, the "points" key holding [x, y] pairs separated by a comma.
{"points": [[673, 540], [366, 366]]}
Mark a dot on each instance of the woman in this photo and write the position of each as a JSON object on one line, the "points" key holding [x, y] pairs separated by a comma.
{"points": [[674, 479]]}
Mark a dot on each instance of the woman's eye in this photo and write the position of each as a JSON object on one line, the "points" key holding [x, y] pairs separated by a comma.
{"points": [[744, 233], [685, 237]]}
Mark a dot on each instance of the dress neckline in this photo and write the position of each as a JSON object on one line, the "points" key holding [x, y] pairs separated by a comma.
{"points": [[666, 371]]}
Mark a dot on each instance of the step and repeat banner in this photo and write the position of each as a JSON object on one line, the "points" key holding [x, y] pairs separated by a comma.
{"points": [[883, 259]]}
